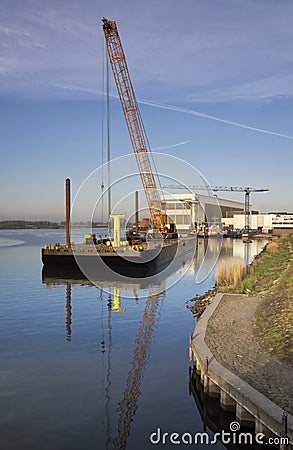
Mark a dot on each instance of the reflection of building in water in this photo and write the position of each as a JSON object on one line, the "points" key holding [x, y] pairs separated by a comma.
{"points": [[246, 250], [208, 251], [212, 252]]}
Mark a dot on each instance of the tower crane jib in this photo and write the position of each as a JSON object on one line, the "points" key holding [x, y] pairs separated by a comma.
{"points": [[246, 190]]}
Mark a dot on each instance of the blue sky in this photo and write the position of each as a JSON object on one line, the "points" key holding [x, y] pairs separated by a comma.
{"points": [[191, 62]]}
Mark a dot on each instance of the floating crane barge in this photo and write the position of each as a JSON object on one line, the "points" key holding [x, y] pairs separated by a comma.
{"points": [[124, 261], [94, 257], [154, 255]]}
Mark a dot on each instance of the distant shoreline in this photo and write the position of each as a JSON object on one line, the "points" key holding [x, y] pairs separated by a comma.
{"points": [[44, 224]]}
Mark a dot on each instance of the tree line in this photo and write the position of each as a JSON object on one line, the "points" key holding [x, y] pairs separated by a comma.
{"points": [[35, 224]]}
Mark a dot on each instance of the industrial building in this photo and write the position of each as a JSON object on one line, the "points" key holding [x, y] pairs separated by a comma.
{"points": [[266, 223], [194, 211]]}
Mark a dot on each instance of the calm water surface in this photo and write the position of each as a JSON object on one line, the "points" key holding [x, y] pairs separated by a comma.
{"points": [[89, 368]]}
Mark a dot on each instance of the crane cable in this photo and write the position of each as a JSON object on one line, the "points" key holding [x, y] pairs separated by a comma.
{"points": [[102, 130], [108, 134]]}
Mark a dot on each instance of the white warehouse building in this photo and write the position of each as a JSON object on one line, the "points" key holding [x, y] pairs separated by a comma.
{"points": [[190, 211], [266, 223]]}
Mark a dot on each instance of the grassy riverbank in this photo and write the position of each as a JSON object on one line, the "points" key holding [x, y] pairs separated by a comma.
{"points": [[271, 277], [260, 277]]}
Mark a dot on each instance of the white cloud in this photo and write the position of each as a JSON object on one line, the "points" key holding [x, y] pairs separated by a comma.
{"points": [[202, 51], [260, 89], [165, 147]]}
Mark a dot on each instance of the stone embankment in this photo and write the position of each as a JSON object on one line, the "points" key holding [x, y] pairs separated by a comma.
{"points": [[234, 367], [232, 339]]}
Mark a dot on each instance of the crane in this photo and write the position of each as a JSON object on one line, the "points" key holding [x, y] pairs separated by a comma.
{"points": [[128, 405], [133, 121], [247, 191]]}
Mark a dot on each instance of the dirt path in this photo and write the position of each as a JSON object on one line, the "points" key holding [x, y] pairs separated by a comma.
{"points": [[231, 338]]}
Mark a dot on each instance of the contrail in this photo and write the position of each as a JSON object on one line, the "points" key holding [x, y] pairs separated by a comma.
{"points": [[79, 89], [207, 116], [170, 146], [185, 111]]}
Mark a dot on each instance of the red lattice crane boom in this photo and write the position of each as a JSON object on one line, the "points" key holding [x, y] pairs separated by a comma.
{"points": [[133, 121]]}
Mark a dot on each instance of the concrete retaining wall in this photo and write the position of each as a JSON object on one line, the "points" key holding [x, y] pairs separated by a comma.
{"points": [[250, 406]]}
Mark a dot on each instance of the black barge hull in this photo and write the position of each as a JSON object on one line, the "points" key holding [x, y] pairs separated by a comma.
{"points": [[100, 265], [97, 264]]}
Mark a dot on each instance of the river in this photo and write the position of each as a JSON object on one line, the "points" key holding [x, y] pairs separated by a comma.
{"points": [[88, 368]]}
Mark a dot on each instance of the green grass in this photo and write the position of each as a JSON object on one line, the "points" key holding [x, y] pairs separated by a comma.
{"points": [[271, 277], [265, 270]]}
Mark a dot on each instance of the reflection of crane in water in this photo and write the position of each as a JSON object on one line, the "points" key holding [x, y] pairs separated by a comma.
{"points": [[128, 405]]}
